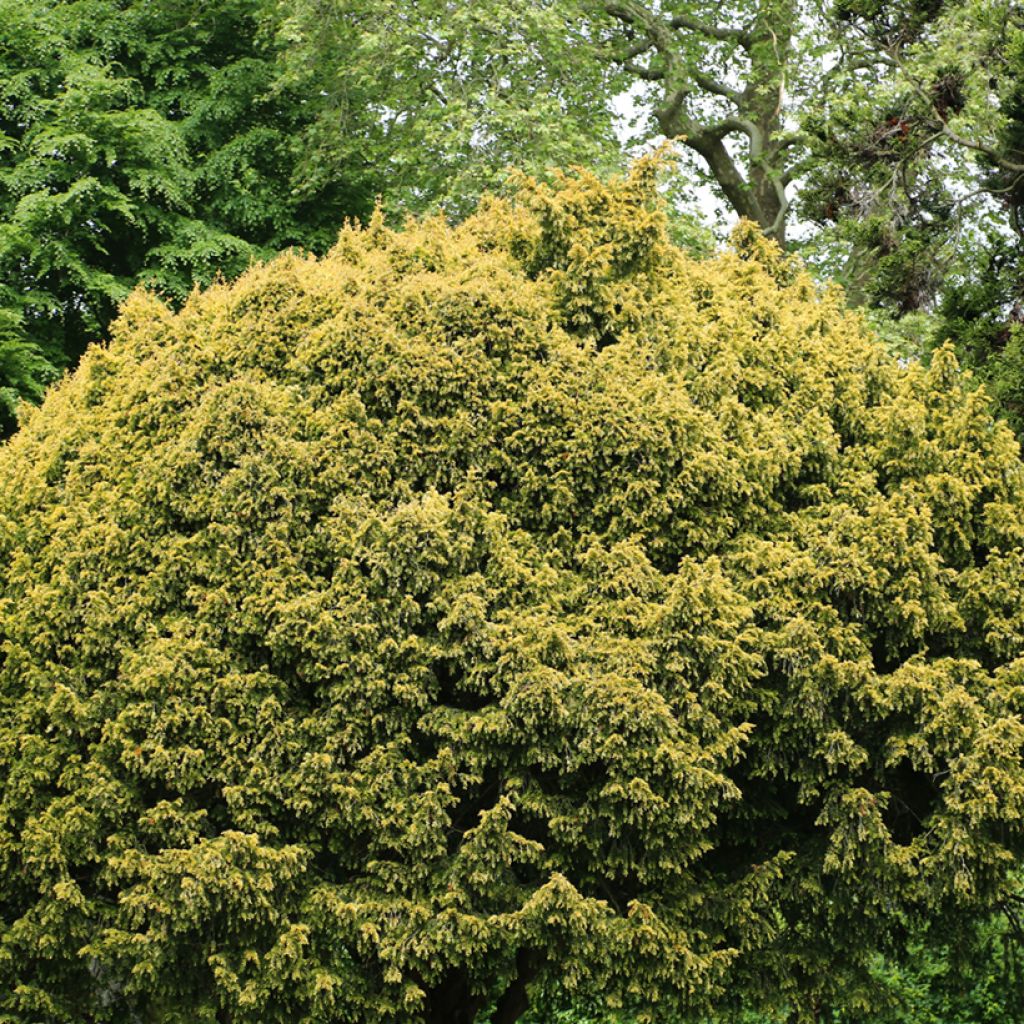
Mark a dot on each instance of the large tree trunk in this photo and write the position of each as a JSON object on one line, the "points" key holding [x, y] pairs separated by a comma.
{"points": [[657, 47], [452, 1003], [771, 204], [516, 999], [756, 197]]}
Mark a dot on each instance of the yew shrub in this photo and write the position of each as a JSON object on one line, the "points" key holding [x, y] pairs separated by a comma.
{"points": [[515, 608]]}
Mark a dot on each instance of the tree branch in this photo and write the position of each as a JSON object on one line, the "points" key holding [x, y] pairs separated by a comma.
{"points": [[646, 74], [670, 117], [754, 111], [720, 32], [736, 188], [709, 84], [784, 203], [639, 47], [980, 147], [728, 125], [657, 30]]}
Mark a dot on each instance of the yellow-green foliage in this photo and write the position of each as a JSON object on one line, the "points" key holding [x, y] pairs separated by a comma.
{"points": [[518, 600]]}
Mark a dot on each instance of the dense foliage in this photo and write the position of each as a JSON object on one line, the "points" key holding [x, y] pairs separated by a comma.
{"points": [[439, 98], [916, 171], [916, 153], [153, 141], [537, 82], [517, 607], [172, 140]]}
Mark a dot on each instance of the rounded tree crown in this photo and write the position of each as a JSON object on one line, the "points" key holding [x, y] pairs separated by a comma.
{"points": [[517, 606]]}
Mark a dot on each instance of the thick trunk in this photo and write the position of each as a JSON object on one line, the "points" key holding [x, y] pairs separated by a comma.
{"points": [[516, 1000], [451, 1002], [736, 188], [751, 115], [770, 204], [758, 195]]}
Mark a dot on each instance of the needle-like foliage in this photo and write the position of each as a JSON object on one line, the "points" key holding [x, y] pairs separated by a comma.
{"points": [[522, 606]]}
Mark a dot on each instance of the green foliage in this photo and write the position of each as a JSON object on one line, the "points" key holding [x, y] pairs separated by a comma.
{"points": [[24, 370], [519, 605], [910, 336], [142, 142], [915, 164], [983, 315], [439, 98], [916, 177], [982, 308], [977, 983]]}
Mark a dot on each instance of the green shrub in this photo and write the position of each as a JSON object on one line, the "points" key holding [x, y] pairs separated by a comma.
{"points": [[516, 605]]}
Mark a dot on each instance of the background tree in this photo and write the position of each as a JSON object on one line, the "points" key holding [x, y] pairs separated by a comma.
{"points": [[722, 78], [517, 607], [982, 308], [534, 84], [455, 93], [915, 154], [143, 141]]}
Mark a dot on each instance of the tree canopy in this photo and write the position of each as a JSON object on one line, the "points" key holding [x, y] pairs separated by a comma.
{"points": [[171, 141], [913, 143], [150, 141], [535, 84], [438, 99], [480, 611]]}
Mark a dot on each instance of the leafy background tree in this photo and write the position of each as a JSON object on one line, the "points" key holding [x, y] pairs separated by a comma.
{"points": [[149, 142], [455, 93], [167, 142], [918, 165], [534, 84]]}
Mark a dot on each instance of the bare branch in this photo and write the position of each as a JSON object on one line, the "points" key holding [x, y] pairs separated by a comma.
{"points": [[657, 30], [780, 217], [963, 200], [721, 32], [709, 84], [639, 47], [784, 203], [787, 142], [980, 147], [647, 74]]}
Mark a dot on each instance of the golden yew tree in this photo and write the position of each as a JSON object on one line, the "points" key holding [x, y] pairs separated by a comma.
{"points": [[507, 609]]}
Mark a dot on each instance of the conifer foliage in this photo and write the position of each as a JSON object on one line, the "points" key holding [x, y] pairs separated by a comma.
{"points": [[488, 611], [150, 141]]}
